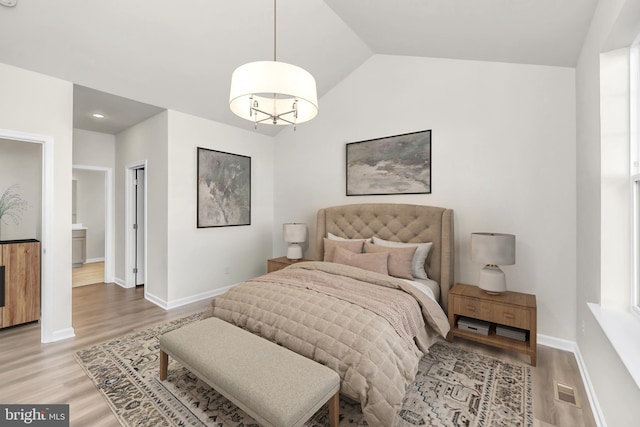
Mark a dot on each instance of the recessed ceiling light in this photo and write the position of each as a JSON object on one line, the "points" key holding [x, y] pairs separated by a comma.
{"points": [[98, 115]]}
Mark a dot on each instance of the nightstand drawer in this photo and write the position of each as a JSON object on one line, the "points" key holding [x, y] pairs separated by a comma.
{"points": [[510, 316], [493, 312], [467, 307]]}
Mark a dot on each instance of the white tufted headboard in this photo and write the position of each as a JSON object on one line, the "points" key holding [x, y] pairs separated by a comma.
{"points": [[400, 223]]}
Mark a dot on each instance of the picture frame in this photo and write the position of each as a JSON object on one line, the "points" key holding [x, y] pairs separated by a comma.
{"points": [[399, 164], [223, 189]]}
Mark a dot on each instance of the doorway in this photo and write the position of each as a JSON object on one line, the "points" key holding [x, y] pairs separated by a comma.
{"points": [[99, 181], [136, 220], [50, 293]]}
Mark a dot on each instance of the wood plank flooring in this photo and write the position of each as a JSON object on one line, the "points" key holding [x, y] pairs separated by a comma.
{"points": [[36, 373], [89, 274]]}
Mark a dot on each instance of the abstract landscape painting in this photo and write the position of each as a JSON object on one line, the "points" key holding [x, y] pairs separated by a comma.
{"points": [[224, 189], [398, 164]]}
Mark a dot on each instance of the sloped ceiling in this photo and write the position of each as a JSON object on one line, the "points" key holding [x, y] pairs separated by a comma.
{"points": [[180, 54]]}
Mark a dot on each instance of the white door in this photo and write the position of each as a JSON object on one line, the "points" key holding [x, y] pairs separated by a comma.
{"points": [[139, 227]]}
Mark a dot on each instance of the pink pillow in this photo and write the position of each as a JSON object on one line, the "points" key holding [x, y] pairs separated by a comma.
{"points": [[373, 262], [331, 245], [400, 259]]}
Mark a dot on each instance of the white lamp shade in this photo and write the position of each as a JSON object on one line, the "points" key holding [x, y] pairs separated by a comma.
{"points": [[294, 232], [264, 79], [493, 248]]}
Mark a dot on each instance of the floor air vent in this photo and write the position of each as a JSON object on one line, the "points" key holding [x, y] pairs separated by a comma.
{"points": [[566, 393]]}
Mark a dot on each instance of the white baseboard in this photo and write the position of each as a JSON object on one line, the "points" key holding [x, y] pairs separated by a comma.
{"points": [[591, 393], [572, 346], [118, 281], [168, 305], [558, 343], [90, 260], [62, 334]]}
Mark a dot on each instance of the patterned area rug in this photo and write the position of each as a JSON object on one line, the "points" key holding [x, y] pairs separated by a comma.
{"points": [[453, 387]]}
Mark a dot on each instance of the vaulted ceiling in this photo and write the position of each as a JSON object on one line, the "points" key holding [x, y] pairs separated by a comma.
{"points": [[179, 55]]}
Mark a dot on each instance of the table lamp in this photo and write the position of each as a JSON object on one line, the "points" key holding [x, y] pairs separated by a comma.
{"points": [[294, 234], [493, 249]]}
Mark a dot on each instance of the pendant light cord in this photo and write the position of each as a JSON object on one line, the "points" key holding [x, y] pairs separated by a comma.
{"points": [[274, 30]]}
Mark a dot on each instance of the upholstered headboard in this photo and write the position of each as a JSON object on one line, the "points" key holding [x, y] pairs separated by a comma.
{"points": [[400, 223]]}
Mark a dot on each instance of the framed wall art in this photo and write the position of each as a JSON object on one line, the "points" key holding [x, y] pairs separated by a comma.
{"points": [[398, 164], [224, 189]]}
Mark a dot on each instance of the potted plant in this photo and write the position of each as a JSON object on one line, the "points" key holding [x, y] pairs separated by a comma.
{"points": [[12, 206]]}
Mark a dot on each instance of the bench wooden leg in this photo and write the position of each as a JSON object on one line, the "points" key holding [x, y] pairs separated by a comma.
{"points": [[334, 410], [164, 364]]}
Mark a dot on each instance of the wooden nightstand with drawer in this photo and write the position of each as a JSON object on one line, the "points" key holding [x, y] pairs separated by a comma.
{"points": [[509, 309], [276, 264]]}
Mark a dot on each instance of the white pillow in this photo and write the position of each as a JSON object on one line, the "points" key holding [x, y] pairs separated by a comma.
{"points": [[334, 237], [419, 258]]}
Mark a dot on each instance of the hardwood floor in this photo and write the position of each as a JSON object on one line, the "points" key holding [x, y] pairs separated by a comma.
{"points": [[88, 274], [35, 373]]}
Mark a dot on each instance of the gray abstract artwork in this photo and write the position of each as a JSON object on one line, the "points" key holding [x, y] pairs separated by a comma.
{"points": [[224, 189], [398, 164]]}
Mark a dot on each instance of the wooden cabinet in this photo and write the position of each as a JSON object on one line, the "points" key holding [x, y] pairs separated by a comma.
{"points": [[20, 282], [512, 309], [276, 264]]}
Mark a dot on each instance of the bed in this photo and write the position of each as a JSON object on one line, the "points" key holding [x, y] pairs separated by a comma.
{"points": [[350, 313]]}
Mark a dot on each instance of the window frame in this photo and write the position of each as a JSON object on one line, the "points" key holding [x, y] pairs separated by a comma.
{"points": [[634, 156], [635, 285]]}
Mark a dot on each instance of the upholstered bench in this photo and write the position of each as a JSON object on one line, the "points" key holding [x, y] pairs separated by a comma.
{"points": [[274, 385]]}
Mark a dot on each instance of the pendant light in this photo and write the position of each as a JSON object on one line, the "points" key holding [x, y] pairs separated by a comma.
{"points": [[273, 92]]}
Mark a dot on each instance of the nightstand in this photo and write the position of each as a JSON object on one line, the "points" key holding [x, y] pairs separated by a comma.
{"points": [[276, 264], [512, 309]]}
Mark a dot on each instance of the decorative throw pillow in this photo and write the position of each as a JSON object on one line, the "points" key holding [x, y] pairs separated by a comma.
{"points": [[330, 246], [400, 259], [376, 262], [334, 237], [419, 258]]}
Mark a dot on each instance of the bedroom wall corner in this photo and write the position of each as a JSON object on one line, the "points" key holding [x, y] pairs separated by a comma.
{"points": [[145, 141]]}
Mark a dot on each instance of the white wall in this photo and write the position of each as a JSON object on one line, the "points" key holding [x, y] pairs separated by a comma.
{"points": [[617, 393], [94, 148], [36, 104], [503, 155], [146, 141], [185, 263], [202, 260], [21, 165]]}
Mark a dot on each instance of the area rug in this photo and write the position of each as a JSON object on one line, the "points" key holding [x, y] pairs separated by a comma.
{"points": [[453, 387]]}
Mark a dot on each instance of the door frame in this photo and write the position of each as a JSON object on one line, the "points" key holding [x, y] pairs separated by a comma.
{"points": [[48, 260], [109, 267], [130, 201]]}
